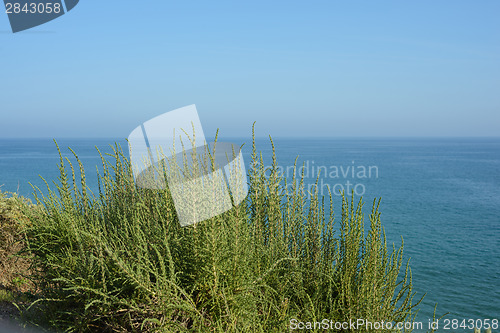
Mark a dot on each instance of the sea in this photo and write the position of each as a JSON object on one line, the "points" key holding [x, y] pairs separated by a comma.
{"points": [[440, 195]]}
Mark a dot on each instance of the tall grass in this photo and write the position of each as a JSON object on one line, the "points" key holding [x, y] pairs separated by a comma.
{"points": [[118, 260]]}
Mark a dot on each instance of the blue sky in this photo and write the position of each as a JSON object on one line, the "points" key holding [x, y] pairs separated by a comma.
{"points": [[297, 68]]}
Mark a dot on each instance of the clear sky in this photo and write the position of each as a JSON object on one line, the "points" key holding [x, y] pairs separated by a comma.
{"points": [[297, 68]]}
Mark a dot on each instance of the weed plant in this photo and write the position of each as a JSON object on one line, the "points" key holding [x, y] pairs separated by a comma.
{"points": [[119, 261]]}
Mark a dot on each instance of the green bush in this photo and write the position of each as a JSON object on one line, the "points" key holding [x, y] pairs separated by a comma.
{"points": [[119, 261], [13, 266], [10, 213]]}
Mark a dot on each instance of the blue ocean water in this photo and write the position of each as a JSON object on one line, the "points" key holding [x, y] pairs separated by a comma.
{"points": [[441, 195]]}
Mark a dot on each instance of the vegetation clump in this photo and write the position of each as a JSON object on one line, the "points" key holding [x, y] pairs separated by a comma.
{"points": [[13, 266], [118, 261]]}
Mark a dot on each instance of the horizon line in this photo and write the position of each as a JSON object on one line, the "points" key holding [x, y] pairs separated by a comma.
{"points": [[275, 137]]}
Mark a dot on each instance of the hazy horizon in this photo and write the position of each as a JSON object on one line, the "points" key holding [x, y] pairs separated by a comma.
{"points": [[381, 137]]}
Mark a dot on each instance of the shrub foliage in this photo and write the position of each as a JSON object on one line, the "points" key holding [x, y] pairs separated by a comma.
{"points": [[118, 260]]}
